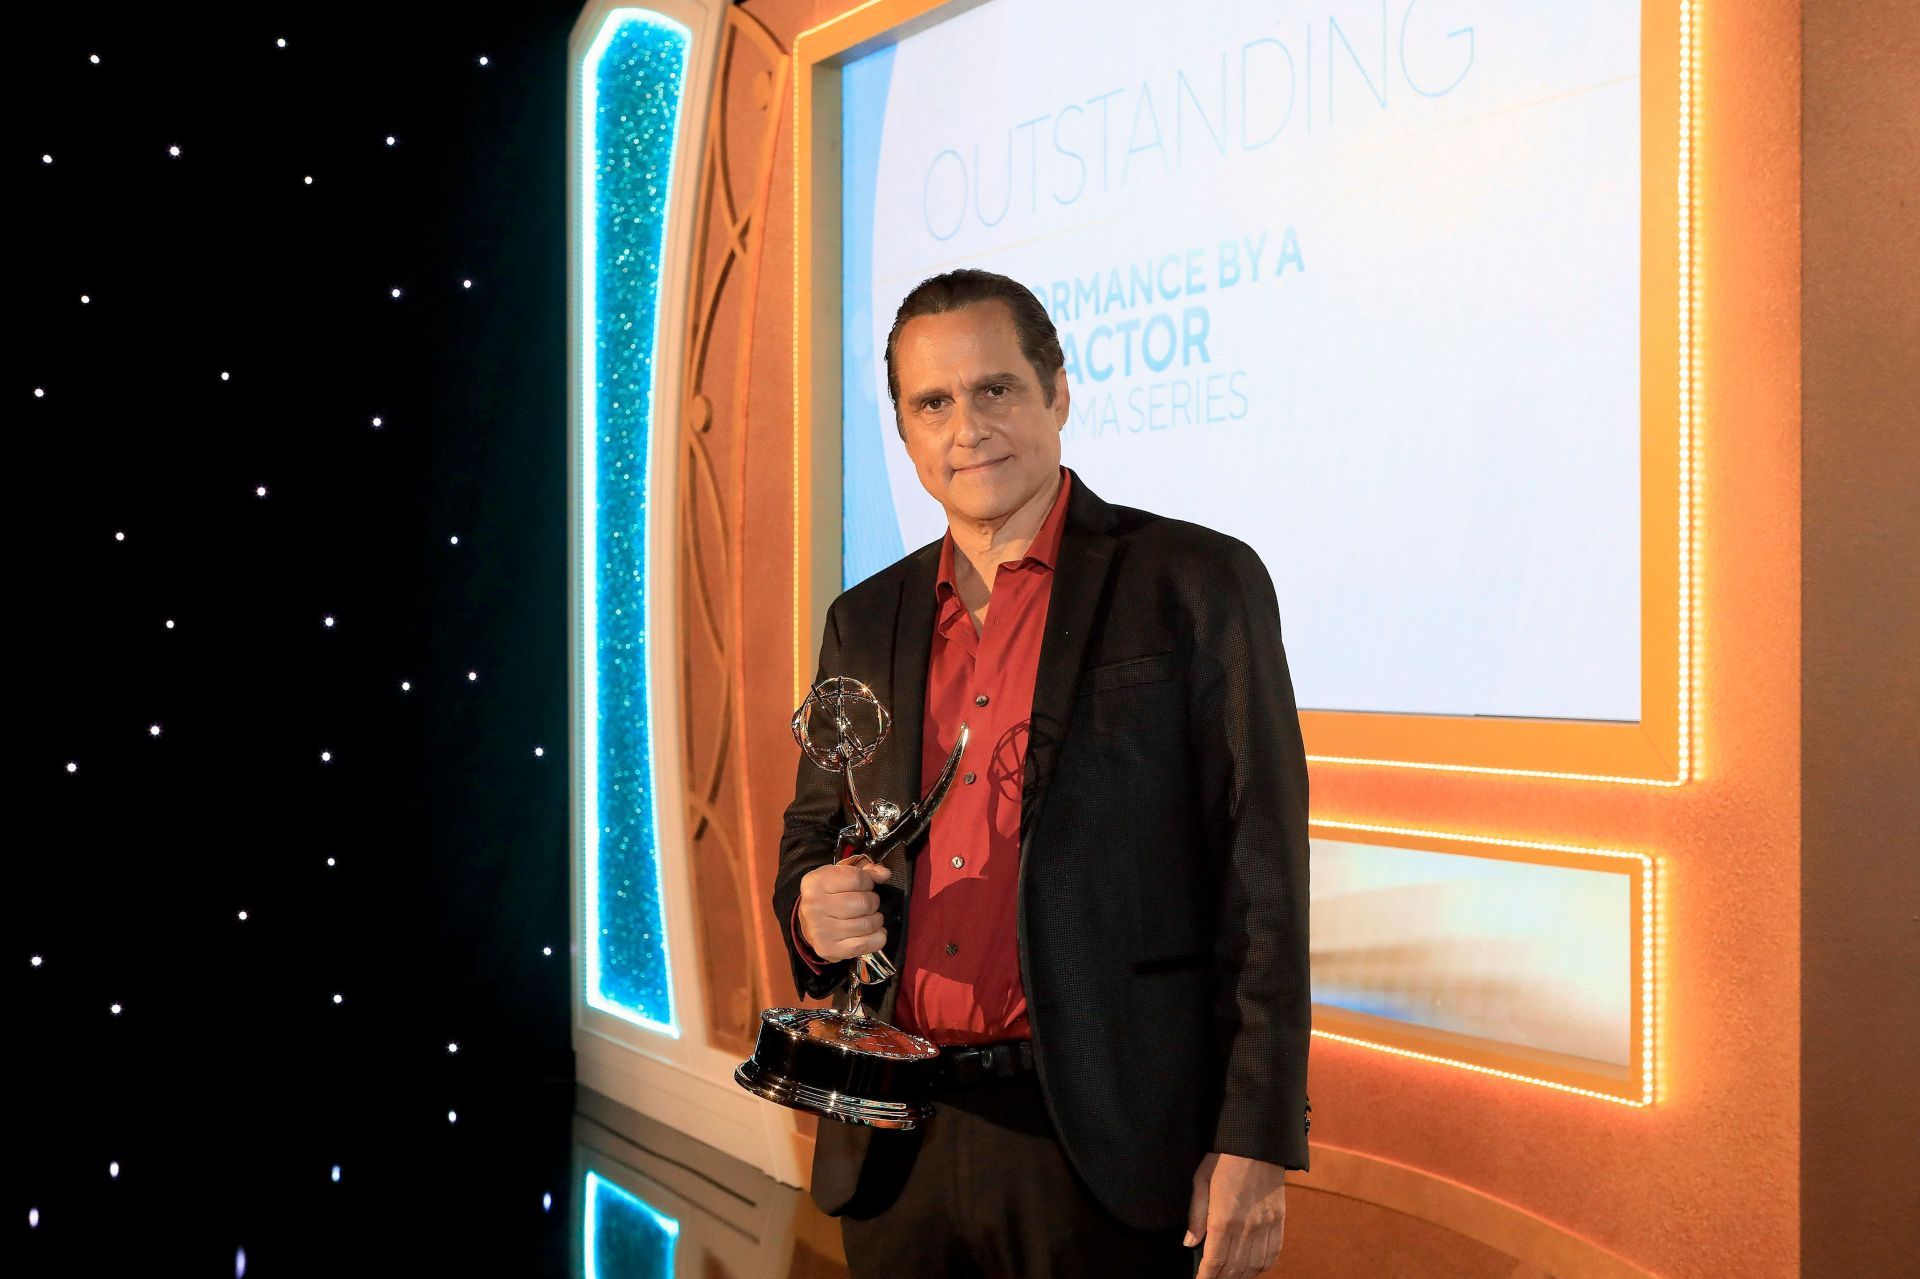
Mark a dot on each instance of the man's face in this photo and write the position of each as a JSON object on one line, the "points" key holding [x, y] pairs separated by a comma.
{"points": [[982, 437]]}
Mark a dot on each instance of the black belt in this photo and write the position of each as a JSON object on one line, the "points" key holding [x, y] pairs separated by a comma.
{"points": [[963, 1064]]}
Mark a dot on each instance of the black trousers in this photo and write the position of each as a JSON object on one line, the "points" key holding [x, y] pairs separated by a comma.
{"points": [[984, 1190]]}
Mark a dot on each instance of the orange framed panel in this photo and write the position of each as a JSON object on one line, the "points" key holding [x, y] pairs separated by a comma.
{"points": [[1632, 1085], [1659, 749]]}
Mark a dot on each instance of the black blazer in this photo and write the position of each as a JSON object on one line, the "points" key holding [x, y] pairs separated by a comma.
{"points": [[1162, 892]]}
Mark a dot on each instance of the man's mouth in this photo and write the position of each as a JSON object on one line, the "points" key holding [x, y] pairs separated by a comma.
{"points": [[979, 466]]}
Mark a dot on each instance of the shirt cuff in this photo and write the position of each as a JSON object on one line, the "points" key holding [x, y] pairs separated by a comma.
{"points": [[800, 947]]}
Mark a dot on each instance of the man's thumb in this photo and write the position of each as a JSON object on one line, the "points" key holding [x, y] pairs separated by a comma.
{"points": [[879, 872], [1197, 1213]]}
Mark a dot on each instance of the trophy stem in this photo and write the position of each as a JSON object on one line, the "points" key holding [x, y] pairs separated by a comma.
{"points": [[857, 806]]}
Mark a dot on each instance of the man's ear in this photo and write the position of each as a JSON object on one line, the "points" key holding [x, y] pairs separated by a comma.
{"points": [[1061, 398]]}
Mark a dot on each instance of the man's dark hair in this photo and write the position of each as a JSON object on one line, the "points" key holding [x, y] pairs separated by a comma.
{"points": [[1039, 342]]}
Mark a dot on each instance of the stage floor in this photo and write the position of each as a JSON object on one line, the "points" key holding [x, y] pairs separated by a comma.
{"points": [[550, 1181]]}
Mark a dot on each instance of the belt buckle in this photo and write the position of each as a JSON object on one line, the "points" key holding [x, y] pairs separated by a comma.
{"points": [[971, 1063], [964, 1066]]}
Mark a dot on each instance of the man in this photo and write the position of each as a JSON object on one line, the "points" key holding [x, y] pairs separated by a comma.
{"points": [[1105, 929]]}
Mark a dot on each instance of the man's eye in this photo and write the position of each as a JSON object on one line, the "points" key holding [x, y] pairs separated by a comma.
{"points": [[933, 403], [996, 390]]}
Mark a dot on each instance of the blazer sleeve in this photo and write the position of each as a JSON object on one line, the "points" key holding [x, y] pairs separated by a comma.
{"points": [[809, 838], [1252, 770]]}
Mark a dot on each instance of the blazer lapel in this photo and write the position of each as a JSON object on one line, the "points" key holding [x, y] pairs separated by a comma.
{"points": [[907, 679], [1079, 580], [896, 769]]}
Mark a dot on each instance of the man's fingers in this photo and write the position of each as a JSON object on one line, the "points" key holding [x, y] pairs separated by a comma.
{"points": [[1239, 1251], [1231, 1252], [858, 920], [839, 911], [834, 880], [841, 878], [1212, 1258], [836, 930], [857, 946], [851, 905]]}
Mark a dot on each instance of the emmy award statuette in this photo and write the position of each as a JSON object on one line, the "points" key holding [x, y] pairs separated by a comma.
{"points": [[847, 1064]]}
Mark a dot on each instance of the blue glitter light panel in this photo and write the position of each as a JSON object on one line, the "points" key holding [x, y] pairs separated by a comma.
{"points": [[625, 1237], [630, 95]]}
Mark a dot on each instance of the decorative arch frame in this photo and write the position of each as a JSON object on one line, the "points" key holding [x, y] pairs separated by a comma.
{"points": [[643, 86]]}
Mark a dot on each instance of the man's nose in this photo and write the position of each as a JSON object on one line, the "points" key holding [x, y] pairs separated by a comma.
{"points": [[968, 427]]}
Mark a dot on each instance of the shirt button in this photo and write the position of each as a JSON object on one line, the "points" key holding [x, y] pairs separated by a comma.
{"points": [[953, 948], [980, 699], [968, 779], [958, 862]]}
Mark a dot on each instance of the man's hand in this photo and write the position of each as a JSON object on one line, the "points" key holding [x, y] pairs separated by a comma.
{"points": [[840, 912], [1239, 1208]]}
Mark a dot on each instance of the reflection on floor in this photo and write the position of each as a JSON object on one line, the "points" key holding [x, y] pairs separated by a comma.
{"points": [[560, 1182], [319, 1180], [657, 1203]]}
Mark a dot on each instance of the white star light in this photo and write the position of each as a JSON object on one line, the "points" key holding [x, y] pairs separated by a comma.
{"points": [[119, 537], [389, 139], [94, 58], [328, 621], [116, 1010], [377, 424], [113, 1169], [84, 299], [39, 392], [466, 284], [281, 43], [539, 752], [335, 1174], [483, 59], [406, 686], [339, 999], [472, 676], [308, 179], [72, 767], [396, 293], [454, 540], [169, 623], [453, 1048], [46, 159], [153, 730], [36, 961], [259, 490], [225, 376], [173, 151], [326, 757], [243, 916], [452, 1117]]}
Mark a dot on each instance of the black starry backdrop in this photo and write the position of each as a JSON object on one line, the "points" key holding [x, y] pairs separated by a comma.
{"points": [[289, 393]]}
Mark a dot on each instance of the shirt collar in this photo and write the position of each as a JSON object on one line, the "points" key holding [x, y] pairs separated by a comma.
{"points": [[1043, 550]]}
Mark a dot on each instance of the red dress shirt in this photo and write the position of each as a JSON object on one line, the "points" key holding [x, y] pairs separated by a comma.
{"points": [[960, 977]]}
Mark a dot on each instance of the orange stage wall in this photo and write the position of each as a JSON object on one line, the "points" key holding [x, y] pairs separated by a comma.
{"points": [[1418, 1168]]}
